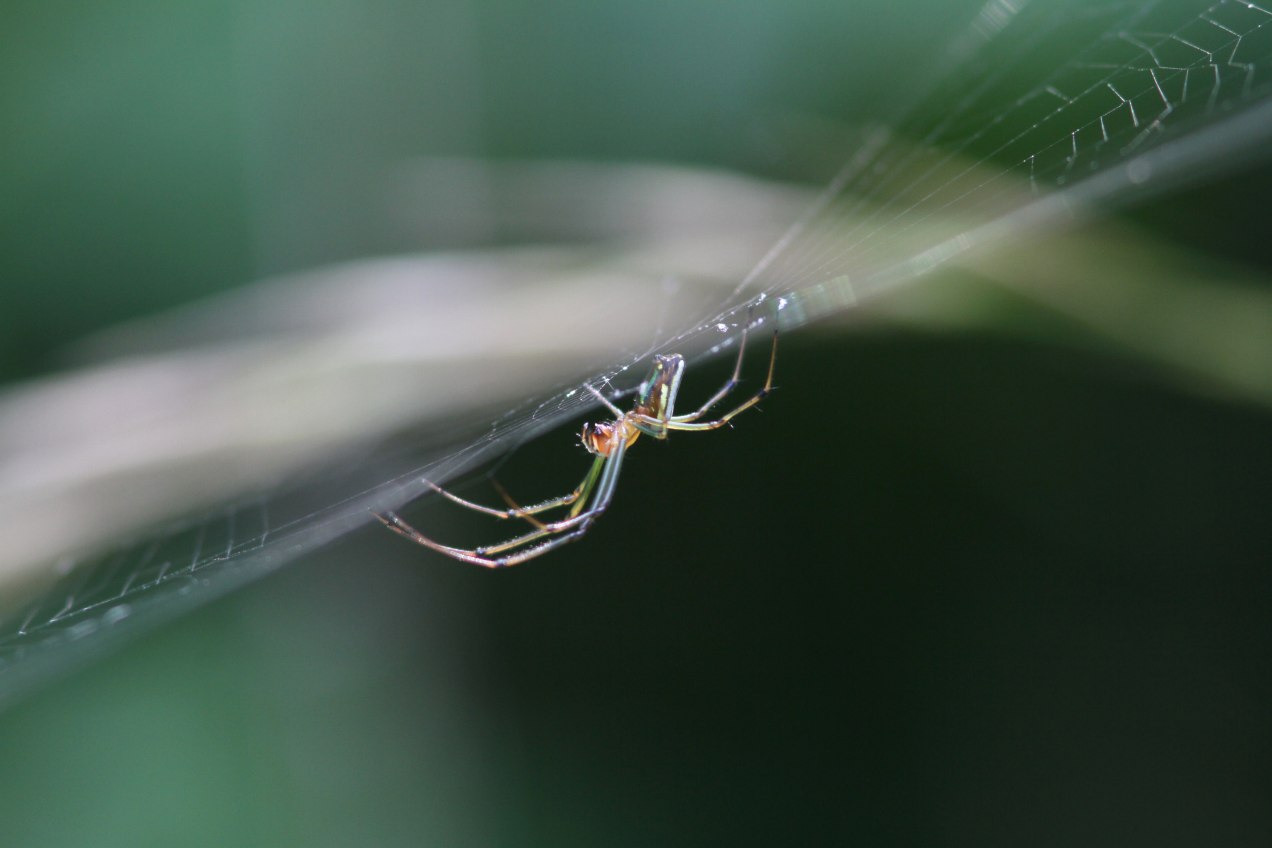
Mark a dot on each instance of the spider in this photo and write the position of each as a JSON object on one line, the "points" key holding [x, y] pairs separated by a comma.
{"points": [[653, 414]]}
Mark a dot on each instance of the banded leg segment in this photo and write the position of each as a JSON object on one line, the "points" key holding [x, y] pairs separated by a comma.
{"points": [[515, 511], [601, 479]]}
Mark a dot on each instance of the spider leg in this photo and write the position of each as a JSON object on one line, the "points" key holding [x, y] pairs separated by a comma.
{"points": [[730, 384], [618, 413], [520, 511], [604, 494], [622, 393], [394, 522], [516, 510], [482, 555], [687, 422], [601, 479]]}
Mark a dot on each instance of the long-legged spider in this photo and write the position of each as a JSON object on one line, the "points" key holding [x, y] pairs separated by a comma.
{"points": [[653, 414]]}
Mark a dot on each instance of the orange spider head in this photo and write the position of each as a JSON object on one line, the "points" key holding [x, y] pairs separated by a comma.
{"points": [[602, 438]]}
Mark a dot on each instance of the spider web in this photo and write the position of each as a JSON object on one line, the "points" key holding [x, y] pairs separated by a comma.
{"points": [[1046, 110]]}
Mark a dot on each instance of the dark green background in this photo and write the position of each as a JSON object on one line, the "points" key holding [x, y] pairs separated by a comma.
{"points": [[944, 590]]}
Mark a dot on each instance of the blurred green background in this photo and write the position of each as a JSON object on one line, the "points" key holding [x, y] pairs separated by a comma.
{"points": [[950, 588]]}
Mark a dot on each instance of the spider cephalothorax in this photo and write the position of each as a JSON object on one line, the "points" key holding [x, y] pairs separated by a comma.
{"points": [[603, 437]]}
